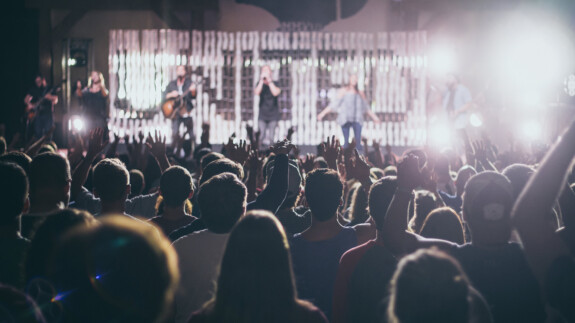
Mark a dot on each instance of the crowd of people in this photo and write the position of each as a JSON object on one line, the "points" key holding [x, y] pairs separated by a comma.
{"points": [[183, 233]]}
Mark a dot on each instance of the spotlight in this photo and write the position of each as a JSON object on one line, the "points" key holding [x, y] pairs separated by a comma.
{"points": [[531, 58], [76, 124]]}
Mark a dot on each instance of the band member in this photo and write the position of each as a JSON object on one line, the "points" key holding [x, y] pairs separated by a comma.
{"points": [[94, 100], [351, 105], [269, 109], [40, 102], [456, 102], [182, 87]]}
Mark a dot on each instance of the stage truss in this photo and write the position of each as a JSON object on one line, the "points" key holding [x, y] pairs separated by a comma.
{"points": [[307, 66]]}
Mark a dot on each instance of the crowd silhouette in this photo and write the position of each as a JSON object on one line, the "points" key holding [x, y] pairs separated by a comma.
{"points": [[183, 233]]}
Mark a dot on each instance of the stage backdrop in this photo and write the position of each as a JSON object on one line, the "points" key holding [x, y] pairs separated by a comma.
{"points": [[309, 67]]}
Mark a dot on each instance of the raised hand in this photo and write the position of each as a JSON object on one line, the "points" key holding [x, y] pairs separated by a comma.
{"points": [[250, 133], [408, 173], [96, 143], [360, 169], [331, 151], [480, 150], [254, 162], [111, 153], [141, 136], [307, 163], [240, 152], [282, 147], [156, 144], [290, 133]]}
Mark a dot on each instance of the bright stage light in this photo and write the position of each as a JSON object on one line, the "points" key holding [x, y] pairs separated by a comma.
{"points": [[531, 130], [76, 123], [439, 135], [530, 55]]}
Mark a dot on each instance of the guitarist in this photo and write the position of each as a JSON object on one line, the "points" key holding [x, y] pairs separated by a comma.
{"points": [[457, 102], [181, 86], [40, 101]]}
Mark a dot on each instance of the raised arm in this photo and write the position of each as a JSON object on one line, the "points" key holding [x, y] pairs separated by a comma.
{"points": [[360, 171], [323, 112], [96, 144], [273, 196], [331, 151], [395, 237], [273, 88], [255, 164], [35, 147], [542, 246], [157, 146], [480, 153], [259, 86]]}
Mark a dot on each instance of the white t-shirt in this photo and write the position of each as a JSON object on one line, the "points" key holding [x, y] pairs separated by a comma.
{"points": [[199, 254]]}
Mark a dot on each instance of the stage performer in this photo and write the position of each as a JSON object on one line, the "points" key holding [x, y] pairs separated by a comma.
{"points": [[269, 114], [39, 100], [457, 102], [181, 88], [350, 105], [94, 101]]}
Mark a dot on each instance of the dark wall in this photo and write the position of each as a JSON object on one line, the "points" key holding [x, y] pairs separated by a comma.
{"points": [[20, 60]]}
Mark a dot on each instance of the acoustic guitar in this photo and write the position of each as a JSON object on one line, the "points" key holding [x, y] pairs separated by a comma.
{"points": [[32, 108], [177, 106]]}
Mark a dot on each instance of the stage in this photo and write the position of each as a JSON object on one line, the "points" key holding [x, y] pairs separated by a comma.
{"points": [[309, 68]]}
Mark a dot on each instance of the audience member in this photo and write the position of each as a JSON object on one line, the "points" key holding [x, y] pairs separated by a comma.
{"points": [[119, 271], [443, 223], [18, 158], [50, 180], [137, 182], [13, 247], [292, 221], [176, 188], [364, 271], [423, 203], [455, 201], [430, 286], [222, 201], [40, 256], [316, 251], [255, 282]]}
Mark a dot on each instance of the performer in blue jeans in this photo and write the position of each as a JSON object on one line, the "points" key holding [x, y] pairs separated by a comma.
{"points": [[351, 105]]}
